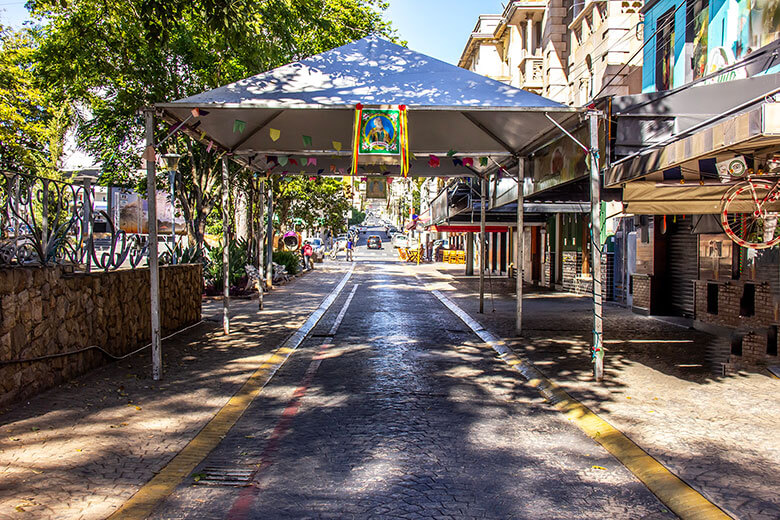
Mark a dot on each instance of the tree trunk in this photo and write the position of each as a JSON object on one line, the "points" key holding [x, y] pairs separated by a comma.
{"points": [[241, 213]]}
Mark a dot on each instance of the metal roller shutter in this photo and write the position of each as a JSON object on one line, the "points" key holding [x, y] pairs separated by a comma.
{"points": [[683, 264]]}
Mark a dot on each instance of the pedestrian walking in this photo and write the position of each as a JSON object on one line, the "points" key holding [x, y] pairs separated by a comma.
{"points": [[307, 252], [350, 246]]}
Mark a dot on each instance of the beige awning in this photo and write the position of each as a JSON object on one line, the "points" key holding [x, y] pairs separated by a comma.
{"points": [[652, 198]]}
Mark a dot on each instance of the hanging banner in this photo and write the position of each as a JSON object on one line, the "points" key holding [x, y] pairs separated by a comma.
{"points": [[379, 132], [381, 136], [376, 188]]}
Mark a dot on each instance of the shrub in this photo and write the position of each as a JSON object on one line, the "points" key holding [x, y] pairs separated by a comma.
{"points": [[290, 260], [212, 270]]}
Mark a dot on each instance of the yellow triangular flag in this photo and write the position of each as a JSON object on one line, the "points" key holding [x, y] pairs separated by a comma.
{"points": [[337, 145], [275, 134]]}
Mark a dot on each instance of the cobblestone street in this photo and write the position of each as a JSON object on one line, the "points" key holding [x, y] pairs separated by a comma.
{"points": [[404, 414], [393, 408], [717, 433]]}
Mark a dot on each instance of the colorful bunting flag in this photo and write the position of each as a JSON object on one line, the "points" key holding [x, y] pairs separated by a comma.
{"points": [[342, 171], [275, 134], [483, 161], [433, 161], [312, 161], [239, 126], [195, 112], [202, 136], [208, 148], [451, 153], [333, 168], [468, 161], [307, 140], [294, 161], [457, 162], [272, 159], [283, 160], [337, 146]]}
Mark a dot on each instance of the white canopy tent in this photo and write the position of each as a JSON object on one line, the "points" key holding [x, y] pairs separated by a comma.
{"points": [[305, 110]]}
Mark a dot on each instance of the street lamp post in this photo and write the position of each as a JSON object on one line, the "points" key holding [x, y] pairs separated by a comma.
{"points": [[171, 163]]}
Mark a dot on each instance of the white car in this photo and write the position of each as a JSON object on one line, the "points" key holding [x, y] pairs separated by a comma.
{"points": [[400, 240]]}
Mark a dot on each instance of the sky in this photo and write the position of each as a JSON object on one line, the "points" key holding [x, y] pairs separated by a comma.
{"points": [[439, 28]]}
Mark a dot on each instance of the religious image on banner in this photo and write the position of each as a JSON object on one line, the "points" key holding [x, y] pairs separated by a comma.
{"points": [[379, 132], [376, 188]]}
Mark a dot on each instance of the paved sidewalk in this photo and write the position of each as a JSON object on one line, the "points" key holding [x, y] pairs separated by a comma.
{"points": [[719, 434], [80, 450]]}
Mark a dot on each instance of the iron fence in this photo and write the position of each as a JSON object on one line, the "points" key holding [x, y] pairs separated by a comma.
{"points": [[49, 222]]}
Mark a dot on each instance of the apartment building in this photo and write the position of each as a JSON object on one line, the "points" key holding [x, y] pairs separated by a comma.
{"points": [[565, 50]]}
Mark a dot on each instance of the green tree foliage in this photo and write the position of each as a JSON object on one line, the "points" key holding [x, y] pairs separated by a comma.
{"points": [[318, 203], [31, 125], [357, 217], [120, 56]]}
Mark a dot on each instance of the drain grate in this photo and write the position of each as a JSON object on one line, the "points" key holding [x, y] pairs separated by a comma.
{"points": [[223, 476]]}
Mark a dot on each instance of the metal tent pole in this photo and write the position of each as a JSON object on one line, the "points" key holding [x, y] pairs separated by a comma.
{"points": [[469, 254], [154, 265], [483, 191], [519, 243], [260, 243], [595, 220], [225, 249], [269, 261]]}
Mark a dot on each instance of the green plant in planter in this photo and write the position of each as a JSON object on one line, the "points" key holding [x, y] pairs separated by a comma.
{"points": [[291, 261], [212, 269]]}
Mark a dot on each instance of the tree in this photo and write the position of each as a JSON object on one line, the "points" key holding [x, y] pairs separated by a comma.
{"points": [[118, 57], [32, 128], [317, 202]]}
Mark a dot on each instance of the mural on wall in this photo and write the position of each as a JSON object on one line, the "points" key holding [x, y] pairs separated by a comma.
{"points": [[561, 162], [701, 25], [757, 24], [133, 213]]}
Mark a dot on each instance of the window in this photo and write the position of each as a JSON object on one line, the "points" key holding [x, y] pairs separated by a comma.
{"points": [[771, 340], [712, 298], [747, 304], [664, 50]]}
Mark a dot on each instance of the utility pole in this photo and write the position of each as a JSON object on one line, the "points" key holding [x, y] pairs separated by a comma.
{"points": [[595, 247]]}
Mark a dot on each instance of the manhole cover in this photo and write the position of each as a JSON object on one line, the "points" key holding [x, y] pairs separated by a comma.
{"points": [[223, 476]]}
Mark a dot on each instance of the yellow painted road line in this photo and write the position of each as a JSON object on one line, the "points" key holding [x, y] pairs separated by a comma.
{"points": [[142, 504], [679, 497]]}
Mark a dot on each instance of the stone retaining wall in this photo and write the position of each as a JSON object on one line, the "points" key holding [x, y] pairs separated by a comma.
{"points": [[45, 311]]}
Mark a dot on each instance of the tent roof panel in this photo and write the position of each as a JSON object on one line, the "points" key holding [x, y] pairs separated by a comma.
{"points": [[371, 71]]}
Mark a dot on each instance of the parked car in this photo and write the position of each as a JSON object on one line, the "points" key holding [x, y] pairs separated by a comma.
{"points": [[374, 242], [340, 242], [400, 240]]}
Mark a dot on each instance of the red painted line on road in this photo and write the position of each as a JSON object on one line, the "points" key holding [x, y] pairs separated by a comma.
{"points": [[242, 505]]}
